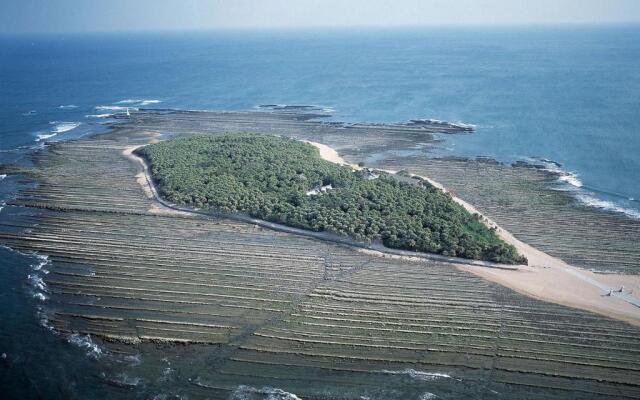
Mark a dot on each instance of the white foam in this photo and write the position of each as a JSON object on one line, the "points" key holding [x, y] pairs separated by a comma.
{"points": [[244, 392], [43, 260], [584, 196], [44, 136], [139, 102], [128, 101], [570, 178], [465, 125], [68, 107], [427, 396], [563, 176], [2, 176], [37, 282], [418, 375], [61, 127], [147, 102], [115, 108], [85, 342], [98, 116], [40, 296], [592, 201], [42, 317]]}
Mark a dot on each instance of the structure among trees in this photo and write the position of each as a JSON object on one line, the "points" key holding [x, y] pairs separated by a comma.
{"points": [[270, 177]]}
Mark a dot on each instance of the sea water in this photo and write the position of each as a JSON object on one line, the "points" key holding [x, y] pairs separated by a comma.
{"points": [[570, 95]]}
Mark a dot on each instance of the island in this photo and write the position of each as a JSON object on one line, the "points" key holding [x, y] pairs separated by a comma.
{"points": [[285, 181]]}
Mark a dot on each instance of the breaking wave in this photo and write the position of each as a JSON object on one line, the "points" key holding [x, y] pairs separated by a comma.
{"points": [[68, 107], [37, 282], [61, 127], [592, 201], [115, 108], [35, 279], [418, 375], [427, 396], [570, 182], [139, 102], [44, 136], [244, 392], [85, 343], [98, 116], [58, 127], [2, 176]]}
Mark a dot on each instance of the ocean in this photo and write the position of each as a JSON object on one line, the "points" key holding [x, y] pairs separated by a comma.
{"points": [[566, 95]]}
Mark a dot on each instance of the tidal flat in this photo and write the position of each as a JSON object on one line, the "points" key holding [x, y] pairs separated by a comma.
{"points": [[217, 308]]}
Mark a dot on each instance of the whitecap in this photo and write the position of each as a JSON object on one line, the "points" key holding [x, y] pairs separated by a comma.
{"points": [[2, 176], [570, 178], [244, 392], [44, 136], [584, 196], [68, 107], [427, 396], [418, 375], [148, 102], [115, 108], [40, 296], [42, 317], [43, 260], [592, 201], [139, 102], [61, 127], [37, 282], [85, 342], [98, 116], [128, 101], [563, 176]]}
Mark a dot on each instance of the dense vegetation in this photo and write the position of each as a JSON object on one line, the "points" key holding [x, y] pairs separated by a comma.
{"points": [[269, 177]]}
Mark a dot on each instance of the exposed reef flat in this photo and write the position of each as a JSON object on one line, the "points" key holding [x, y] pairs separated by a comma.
{"points": [[263, 309]]}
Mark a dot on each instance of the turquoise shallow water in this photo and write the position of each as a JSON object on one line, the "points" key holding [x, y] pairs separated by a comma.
{"points": [[568, 94]]}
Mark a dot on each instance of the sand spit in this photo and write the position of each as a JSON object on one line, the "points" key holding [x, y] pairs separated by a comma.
{"points": [[546, 278]]}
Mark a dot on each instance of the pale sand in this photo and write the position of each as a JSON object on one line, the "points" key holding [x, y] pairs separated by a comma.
{"points": [[546, 278], [143, 181]]}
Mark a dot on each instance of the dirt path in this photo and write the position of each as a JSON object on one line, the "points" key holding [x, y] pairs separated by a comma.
{"points": [[546, 277]]}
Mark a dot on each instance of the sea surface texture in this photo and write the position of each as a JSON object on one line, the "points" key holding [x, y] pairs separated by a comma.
{"points": [[567, 98]]}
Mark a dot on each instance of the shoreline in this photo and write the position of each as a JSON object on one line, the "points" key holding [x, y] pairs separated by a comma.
{"points": [[144, 179], [545, 278]]}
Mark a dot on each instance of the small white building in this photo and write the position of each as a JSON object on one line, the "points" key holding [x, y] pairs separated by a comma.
{"points": [[319, 189]]}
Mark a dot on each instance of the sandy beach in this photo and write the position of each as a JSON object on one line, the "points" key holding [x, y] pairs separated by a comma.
{"points": [[547, 278]]}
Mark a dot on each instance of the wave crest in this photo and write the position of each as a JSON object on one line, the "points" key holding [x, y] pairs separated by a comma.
{"points": [[85, 343], [418, 375], [139, 102], [244, 392]]}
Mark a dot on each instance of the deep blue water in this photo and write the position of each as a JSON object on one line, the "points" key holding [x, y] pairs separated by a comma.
{"points": [[569, 94]]}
